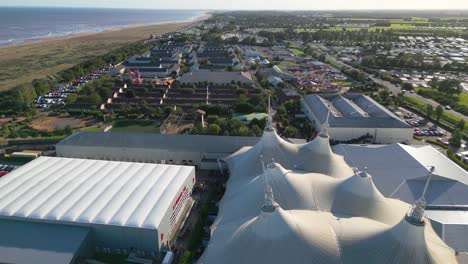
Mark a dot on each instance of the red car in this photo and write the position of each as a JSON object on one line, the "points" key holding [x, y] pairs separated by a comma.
{"points": [[3, 173]]}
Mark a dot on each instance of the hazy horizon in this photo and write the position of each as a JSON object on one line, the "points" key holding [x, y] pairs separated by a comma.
{"points": [[255, 5]]}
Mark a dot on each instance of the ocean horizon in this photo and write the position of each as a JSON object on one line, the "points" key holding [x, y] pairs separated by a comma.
{"points": [[25, 24]]}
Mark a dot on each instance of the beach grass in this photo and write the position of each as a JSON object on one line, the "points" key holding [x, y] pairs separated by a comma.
{"points": [[23, 63]]}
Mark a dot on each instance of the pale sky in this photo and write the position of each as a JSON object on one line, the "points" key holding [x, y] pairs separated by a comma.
{"points": [[249, 4]]}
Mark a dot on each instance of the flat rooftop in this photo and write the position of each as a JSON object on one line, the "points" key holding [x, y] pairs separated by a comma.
{"points": [[66, 190], [199, 143], [24, 242], [352, 110]]}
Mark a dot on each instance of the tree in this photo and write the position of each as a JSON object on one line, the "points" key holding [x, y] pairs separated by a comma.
{"points": [[385, 95], [130, 94], [244, 132], [93, 99], [449, 86], [439, 112], [461, 124], [105, 93], [290, 132], [213, 129], [212, 119], [407, 86], [71, 98], [429, 110], [456, 138]]}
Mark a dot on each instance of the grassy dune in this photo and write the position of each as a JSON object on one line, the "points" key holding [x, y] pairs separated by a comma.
{"points": [[23, 63]]}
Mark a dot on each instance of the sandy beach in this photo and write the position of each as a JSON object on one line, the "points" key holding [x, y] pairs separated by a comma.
{"points": [[25, 62]]}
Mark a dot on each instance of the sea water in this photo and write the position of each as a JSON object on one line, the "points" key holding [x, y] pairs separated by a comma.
{"points": [[23, 24]]}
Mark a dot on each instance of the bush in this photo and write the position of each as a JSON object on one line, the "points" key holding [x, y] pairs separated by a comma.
{"points": [[213, 129], [290, 132], [186, 257], [212, 119], [437, 143], [454, 158], [456, 138]]}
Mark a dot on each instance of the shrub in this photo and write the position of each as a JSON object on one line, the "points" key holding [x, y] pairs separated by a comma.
{"points": [[454, 158], [186, 257], [437, 143]]}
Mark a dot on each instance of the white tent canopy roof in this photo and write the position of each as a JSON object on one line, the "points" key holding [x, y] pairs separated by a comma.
{"points": [[319, 211], [106, 192]]}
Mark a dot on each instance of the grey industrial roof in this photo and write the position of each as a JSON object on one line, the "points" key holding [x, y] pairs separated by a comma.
{"points": [[454, 229], [401, 171], [202, 143], [352, 110], [23, 242], [216, 77]]}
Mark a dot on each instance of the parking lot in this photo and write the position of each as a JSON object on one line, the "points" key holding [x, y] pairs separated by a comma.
{"points": [[61, 91], [423, 129]]}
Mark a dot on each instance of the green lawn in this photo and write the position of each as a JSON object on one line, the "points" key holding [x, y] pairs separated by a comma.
{"points": [[343, 83], [250, 117], [463, 99], [91, 129], [298, 51], [135, 126]]}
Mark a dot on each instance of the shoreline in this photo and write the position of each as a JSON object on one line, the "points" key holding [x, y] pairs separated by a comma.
{"points": [[90, 34], [28, 61], [181, 24]]}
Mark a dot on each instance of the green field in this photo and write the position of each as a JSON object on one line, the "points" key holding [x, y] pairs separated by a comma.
{"points": [[463, 99], [391, 27], [298, 51], [135, 126]]}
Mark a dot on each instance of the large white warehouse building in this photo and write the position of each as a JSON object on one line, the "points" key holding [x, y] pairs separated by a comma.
{"points": [[352, 116], [124, 205]]}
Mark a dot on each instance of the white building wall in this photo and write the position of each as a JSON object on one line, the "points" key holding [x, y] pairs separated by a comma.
{"points": [[165, 225], [116, 237], [129, 154], [380, 135]]}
